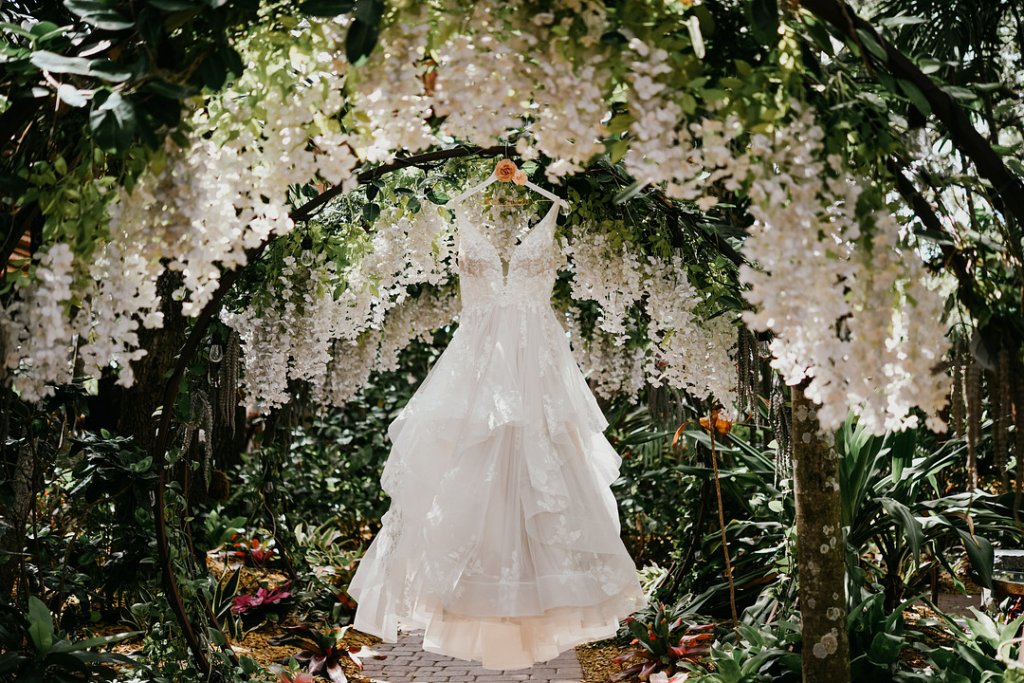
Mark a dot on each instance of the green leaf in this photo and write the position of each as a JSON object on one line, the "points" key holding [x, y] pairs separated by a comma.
{"points": [[439, 197], [960, 93], [764, 21], [903, 447], [142, 465], [68, 646], [628, 192], [981, 555], [360, 41], [59, 64], [927, 65], [43, 28], [907, 523], [40, 628], [370, 11], [872, 45], [371, 211], [619, 124], [113, 122], [100, 13], [915, 96], [71, 96], [903, 20], [885, 648], [327, 8], [172, 5], [617, 150]]}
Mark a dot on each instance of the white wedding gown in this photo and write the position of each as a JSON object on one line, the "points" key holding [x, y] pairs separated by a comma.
{"points": [[502, 539]]}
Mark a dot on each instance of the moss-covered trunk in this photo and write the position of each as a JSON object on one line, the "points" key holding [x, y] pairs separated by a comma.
{"points": [[821, 561]]}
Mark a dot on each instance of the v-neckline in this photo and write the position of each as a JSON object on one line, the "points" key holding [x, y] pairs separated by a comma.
{"points": [[506, 269]]}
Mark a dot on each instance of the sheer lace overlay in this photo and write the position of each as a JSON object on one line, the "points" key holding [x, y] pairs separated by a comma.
{"points": [[502, 538]]}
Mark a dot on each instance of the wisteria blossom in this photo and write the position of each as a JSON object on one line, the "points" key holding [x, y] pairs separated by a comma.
{"points": [[811, 280], [36, 330], [841, 291]]}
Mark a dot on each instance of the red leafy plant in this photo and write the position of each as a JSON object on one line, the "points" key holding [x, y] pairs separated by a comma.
{"points": [[255, 550], [294, 677], [660, 645], [321, 652], [262, 598]]}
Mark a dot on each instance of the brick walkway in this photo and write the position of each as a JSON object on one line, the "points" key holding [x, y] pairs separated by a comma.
{"points": [[406, 662]]}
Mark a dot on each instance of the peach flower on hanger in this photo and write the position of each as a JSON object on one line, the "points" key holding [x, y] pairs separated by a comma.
{"points": [[519, 177], [505, 170]]}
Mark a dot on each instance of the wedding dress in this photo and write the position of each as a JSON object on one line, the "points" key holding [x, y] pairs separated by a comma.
{"points": [[502, 539]]}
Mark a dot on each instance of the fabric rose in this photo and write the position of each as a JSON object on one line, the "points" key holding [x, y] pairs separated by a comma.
{"points": [[519, 178], [505, 170]]}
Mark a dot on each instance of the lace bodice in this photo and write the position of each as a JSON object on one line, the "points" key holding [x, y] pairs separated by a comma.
{"points": [[531, 268]]}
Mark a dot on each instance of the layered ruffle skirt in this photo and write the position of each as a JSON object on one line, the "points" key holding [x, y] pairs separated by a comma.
{"points": [[502, 539]]}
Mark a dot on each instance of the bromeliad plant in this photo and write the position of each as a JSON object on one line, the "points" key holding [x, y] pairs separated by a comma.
{"points": [[262, 601], [256, 551], [322, 652], [663, 642]]}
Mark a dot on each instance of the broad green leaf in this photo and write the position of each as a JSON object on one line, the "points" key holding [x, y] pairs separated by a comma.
{"points": [[71, 96], [43, 28], [903, 447], [102, 14], [915, 96], [40, 628], [371, 211], [59, 64], [872, 45], [960, 93], [885, 648], [619, 124], [370, 11], [439, 197], [907, 523], [142, 465], [981, 555], [113, 122], [360, 40]]}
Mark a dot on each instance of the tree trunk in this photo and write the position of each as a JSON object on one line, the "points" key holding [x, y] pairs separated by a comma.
{"points": [[12, 542], [821, 556], [138, 403]]}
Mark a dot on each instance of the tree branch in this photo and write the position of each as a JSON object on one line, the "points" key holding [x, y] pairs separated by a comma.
{"points": [[309, 209], [950, 114]]}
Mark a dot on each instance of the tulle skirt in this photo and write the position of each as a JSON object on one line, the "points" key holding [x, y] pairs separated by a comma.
{"points": [[502, 538]]}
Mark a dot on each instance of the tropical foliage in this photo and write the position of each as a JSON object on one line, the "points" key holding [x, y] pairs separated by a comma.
{"points": [[228, 264]]}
